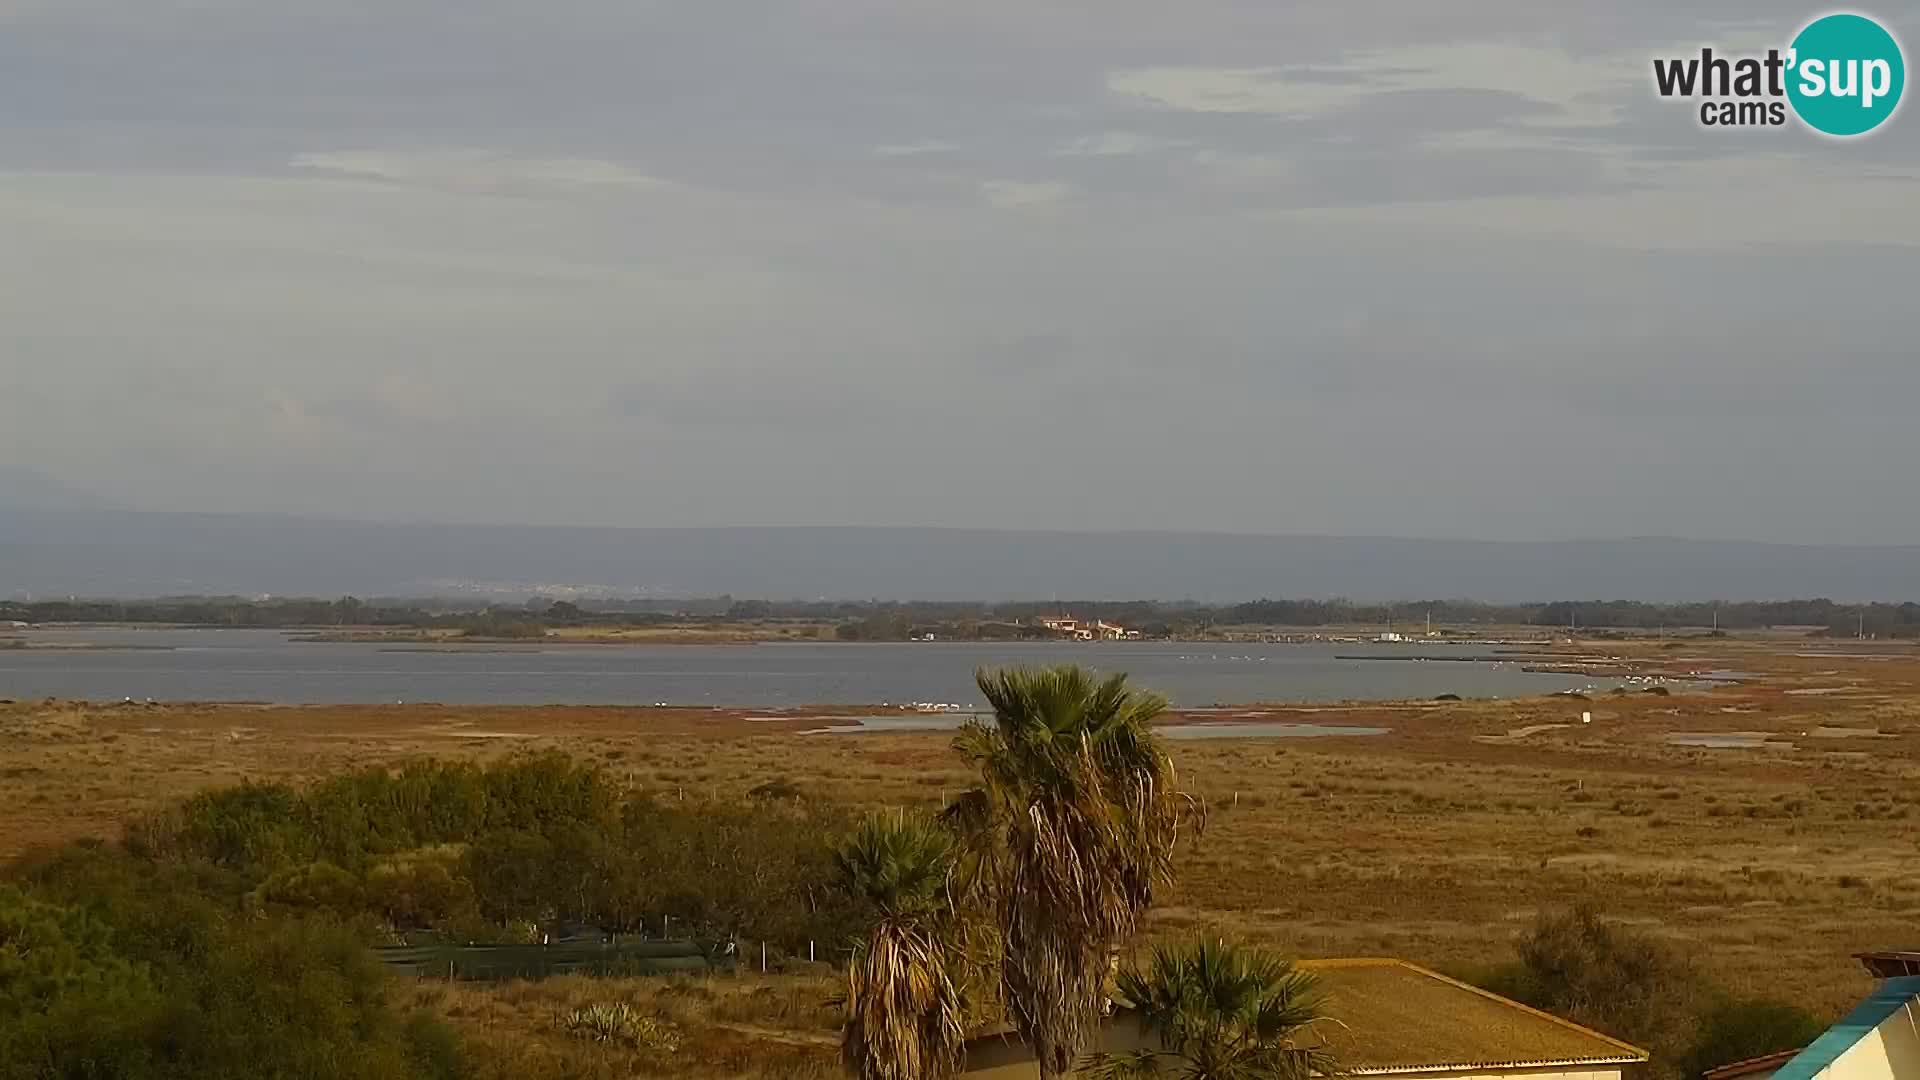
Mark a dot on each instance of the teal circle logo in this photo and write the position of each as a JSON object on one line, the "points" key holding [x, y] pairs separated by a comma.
{"points": [[1847, 74]]}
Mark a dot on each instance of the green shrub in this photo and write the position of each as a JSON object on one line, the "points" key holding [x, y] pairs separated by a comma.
{"points": [[287, 997], [246, 826], [760, 871], [319, 886], [512, 874], [1737, 1029], [621, 1023], [455, 846], [226, 938], [66, 997], [1609, 977], [420, 890], [145, 983]]}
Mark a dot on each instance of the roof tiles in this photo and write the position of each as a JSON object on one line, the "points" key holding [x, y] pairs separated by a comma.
{"points": [[1395, 1016]]}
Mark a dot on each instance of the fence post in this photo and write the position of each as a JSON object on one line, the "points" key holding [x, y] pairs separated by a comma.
{"points": [[763, 958], [809, 950]]}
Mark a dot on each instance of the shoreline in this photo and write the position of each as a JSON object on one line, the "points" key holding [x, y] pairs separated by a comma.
{"points": [[1252, 712], [1545, 641]]}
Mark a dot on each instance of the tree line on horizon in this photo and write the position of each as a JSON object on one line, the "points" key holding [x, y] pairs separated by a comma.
{"points": [[886, 620]]}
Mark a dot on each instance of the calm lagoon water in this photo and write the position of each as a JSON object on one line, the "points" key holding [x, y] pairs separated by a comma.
{"points": [[264, 666]]}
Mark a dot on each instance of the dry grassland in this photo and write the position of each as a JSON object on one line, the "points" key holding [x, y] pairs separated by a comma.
{"points": [[1436, 842]]}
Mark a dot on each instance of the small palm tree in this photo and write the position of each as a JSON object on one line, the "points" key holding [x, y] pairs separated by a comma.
{"points": [[905, 1014], [1069, 833], [1220, 1011]]}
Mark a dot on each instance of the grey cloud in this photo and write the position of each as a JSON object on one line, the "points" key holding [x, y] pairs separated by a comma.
{"points": [[319, 257]]}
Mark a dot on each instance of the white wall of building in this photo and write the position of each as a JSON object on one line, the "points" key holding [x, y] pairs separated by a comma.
{"points": [[1890, 1052]]}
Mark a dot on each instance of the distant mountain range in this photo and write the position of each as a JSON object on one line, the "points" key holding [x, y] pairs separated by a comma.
{"points": [[30, 488], [56, 548]]}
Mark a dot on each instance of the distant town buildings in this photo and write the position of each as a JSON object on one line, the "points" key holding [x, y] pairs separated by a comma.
{"points": [[1098, 630]]}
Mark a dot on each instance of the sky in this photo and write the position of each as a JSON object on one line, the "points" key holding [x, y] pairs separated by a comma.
{"points": [[1382, 267]]}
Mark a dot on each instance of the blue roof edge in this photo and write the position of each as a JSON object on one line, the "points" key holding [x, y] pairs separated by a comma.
{"points": [[1889, 998]]}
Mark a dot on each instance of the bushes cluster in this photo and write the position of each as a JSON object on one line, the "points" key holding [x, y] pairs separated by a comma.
{"points": [[479, 850], [227, 936], [350, 817], [115, 968], [1642, 989]]}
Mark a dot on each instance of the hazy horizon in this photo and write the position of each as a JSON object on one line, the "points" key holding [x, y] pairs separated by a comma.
{"points": [[36, 494], [98, 552]]}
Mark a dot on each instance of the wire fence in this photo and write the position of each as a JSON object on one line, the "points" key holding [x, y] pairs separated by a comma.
{"points": [[592, 955], [537, 961]]}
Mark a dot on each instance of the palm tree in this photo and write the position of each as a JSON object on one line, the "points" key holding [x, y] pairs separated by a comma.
{"points": [[1220, 1011], [905, 1017], [1067, 836]]}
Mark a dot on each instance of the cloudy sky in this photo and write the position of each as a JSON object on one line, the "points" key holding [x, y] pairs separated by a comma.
{"points": [[1375, 266]]}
